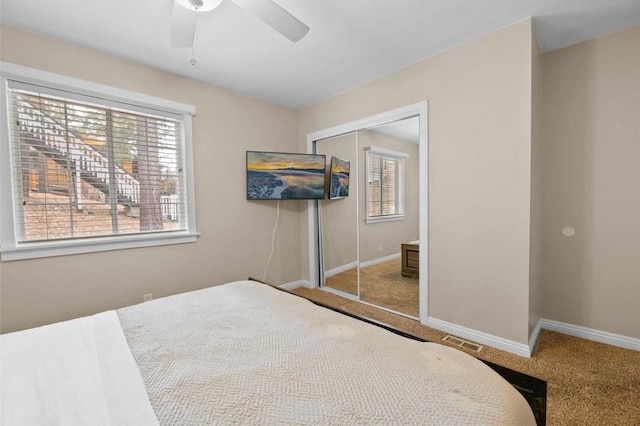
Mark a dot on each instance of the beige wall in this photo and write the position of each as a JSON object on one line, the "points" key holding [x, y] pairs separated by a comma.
{"points": [[494, 187], [479, 173], [535, 244], [592, 183], [235, 234]]}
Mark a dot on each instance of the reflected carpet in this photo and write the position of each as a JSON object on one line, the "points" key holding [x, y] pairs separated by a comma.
{"points": [[381, 285]]}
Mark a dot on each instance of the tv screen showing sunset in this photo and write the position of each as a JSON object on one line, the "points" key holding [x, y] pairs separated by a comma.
{"points": [[339, 184], [283, 176]]}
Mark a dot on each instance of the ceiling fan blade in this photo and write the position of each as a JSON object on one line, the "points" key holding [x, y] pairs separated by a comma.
{"points": [[183, 26], [276, 17]]}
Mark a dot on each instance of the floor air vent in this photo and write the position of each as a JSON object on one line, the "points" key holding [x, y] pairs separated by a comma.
{"points": [[456, 341]]}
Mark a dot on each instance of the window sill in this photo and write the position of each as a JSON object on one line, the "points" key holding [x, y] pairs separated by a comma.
{"points": [[380, 219], [92, 245]]}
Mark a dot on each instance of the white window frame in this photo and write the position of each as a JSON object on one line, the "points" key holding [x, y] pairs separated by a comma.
{"points": [[395, 155], [10, 248]]}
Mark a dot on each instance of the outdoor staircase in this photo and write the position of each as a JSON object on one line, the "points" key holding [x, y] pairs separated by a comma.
{"points": [[46, 135]]}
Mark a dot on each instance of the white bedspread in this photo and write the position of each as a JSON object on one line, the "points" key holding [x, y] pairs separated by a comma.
{"points": [[245, 353], [77, 372]]}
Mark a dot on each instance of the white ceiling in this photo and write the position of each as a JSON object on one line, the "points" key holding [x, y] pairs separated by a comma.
{"points": [[350, 42]]}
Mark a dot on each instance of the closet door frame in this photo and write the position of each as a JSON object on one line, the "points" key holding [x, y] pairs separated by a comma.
{"points": [[420, 110]]}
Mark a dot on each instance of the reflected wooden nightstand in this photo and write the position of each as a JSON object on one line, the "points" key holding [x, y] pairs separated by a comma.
{"points": [[410, 260]]}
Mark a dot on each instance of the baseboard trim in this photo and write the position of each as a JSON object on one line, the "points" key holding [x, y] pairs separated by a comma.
{"points": [[295, 284], [339, 269], [380, 260], [351, 265], [506, 345], [592, 334], [534, 335]]}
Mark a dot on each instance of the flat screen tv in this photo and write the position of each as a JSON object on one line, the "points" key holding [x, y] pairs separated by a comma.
{"points": [[284, 176], [339, 182]]}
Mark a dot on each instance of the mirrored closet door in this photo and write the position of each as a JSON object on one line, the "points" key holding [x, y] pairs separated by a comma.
{"points": [[338, 219], [389, 214], [369, 239]]}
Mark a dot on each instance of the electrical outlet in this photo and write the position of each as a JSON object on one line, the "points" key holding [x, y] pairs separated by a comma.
{"points": [[380, 248], [147, 297]]}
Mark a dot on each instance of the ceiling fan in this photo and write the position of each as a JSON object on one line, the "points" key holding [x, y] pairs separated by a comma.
{"points": [[183, 20]]}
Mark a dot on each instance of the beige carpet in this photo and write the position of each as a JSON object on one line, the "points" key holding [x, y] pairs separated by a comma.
{"points": [[381, 285], [588, 383]]}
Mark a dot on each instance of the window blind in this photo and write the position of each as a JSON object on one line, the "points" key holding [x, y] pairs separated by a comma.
{"points": [[385, 185], [86, 167]]}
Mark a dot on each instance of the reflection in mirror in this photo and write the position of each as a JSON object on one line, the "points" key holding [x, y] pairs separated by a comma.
{"points": [[338, 219], [369, 240], [389, 215]]}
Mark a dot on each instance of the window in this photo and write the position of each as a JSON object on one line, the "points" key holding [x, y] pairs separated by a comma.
{"points": [[92, 171], [385, 184]]}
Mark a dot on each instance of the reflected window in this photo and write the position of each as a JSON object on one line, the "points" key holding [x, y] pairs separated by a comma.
{"points": [[384, 184]]}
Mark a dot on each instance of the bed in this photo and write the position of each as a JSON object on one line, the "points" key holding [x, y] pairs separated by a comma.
{"points": [[247, 353]]}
